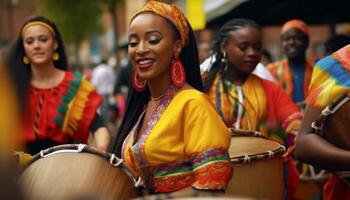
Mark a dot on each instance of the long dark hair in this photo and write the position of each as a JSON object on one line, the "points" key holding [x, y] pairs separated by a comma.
{"points": [[222, 36], [22, 72], [137, 100]]}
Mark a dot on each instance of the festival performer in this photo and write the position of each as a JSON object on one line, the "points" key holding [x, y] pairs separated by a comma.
{"points": [[293, 73], [330, 79], [61, 106], [171, 135], [246, 101]]}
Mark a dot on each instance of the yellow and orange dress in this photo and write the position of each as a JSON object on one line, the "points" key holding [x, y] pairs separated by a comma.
{"points": [[184, 144], [330, 79], [260, 105]]}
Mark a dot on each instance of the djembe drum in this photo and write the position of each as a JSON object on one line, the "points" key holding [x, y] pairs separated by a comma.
{"points": [[76, 171], [333, 125], [257, 164]]}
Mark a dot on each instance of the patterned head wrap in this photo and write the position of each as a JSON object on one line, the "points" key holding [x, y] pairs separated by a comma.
{"points": [[297, 24], [170, 12]]}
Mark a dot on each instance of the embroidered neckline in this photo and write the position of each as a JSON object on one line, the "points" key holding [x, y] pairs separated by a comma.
{"points": [[139, 146]]}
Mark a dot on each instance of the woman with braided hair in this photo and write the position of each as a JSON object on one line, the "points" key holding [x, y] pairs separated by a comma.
{"points": [[244, 100]]}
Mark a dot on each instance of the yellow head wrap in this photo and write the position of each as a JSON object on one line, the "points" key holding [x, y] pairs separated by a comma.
{"points": [[37, 23]]}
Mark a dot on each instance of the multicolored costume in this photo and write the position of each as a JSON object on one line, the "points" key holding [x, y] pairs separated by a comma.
{"points": [[330, 79], [283, 73], [280, 70], [185, 143], [61, 114], [259, 105]]}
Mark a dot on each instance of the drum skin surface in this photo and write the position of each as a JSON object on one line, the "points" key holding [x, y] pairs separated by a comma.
{"points": [[82, 175], [261, 176]]}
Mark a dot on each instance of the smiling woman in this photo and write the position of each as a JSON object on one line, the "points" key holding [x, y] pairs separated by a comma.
{"points": [[171, 135], [60, 106]]}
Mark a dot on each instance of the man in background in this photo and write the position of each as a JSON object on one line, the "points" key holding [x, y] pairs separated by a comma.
{"points": [[293, 73]]}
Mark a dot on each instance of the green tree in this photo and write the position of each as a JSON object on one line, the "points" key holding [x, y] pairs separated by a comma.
{"points": [[76, 19]]}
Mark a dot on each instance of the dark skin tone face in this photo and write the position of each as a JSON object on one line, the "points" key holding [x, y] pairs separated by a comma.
{"points": [[243, 49], [294, 43]]}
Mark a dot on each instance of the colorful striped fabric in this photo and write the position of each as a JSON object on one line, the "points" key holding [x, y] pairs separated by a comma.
{"points": [[284, 77], [330, 78], [61, 113], [265, 107], [185, 143]]}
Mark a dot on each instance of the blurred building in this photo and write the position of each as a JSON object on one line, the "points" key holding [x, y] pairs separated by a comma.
{"points": [[324, 18], [12, 15]]}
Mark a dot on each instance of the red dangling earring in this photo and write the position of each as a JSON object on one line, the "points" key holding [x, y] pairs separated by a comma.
{"points": [[137, 82], [178, 75]]}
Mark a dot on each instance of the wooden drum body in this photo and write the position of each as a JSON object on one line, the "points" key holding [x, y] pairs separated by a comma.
{"points": [[77, 172], [257, 168]]}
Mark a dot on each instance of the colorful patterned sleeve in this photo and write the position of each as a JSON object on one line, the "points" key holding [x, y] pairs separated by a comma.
{"points": [[80, 109], [330, 78], [207, 143]]}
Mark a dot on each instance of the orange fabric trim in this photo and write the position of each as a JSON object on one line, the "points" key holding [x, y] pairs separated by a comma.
{"points": [[173, 183], [214, 176]]}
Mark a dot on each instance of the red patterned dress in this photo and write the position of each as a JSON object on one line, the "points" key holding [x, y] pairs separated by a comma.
{"points": [[61, 114]]}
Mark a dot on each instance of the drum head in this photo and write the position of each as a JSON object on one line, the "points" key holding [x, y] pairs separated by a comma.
{"points": [[75, 176], [257, 165], [242, 146]]}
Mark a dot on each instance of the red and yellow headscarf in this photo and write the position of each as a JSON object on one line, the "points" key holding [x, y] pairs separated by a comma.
{"points": [[297, 24], [170, 12]]}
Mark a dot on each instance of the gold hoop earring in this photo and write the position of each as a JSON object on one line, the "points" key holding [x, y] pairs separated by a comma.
{"points": [[25, 60], [55, 56]]}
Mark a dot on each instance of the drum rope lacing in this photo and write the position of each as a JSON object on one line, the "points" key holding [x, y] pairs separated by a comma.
{"points": [[271, 154], [138, 182], [79, 150], [119, 161], [317, 125], [113, 158], [246, 159], [328, 110]]}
